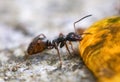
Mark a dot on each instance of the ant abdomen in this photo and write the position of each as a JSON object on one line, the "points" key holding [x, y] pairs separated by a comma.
{"points": [[37, 45]]}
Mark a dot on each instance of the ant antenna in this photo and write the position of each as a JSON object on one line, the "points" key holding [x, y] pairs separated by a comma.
{"points": [[79, 21]]}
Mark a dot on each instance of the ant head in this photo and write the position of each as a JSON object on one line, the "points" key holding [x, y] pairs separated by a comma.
{"points": [[73, 37]]}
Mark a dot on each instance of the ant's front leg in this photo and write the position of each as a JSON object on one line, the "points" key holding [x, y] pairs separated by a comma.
{"points": [[72, 46], [67, 48]]}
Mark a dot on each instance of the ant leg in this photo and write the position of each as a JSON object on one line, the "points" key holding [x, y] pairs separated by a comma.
{"points": [[42, 35], [67, 48], [71, 46], [62, 35], [58, 55]]}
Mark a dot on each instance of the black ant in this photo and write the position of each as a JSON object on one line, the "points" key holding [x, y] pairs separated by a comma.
{"points": [[40, 42]]}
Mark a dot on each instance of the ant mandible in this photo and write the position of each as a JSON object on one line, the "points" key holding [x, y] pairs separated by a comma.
{"points": [[40, 42]]}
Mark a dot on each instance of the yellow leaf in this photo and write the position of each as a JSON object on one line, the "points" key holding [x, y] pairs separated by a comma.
{"points": [[100, 49]]}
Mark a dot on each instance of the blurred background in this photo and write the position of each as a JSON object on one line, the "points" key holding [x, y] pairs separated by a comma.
{"points": [[22, 20]]}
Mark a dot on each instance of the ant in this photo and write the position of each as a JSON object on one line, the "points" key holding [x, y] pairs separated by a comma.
{"points": [[40, 42]]}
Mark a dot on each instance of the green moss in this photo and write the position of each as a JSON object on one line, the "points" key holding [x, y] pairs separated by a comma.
{"points": [[113, 20]]}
